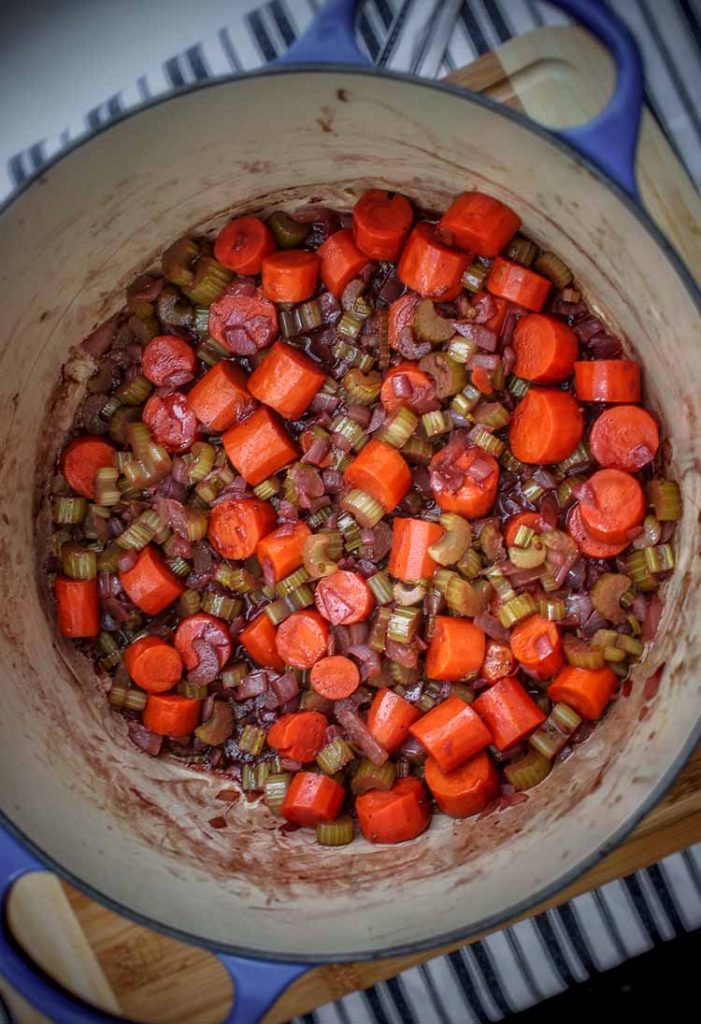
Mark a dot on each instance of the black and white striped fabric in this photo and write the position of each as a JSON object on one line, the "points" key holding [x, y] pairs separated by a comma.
{"points": [[66, 81], [146, 50], [536, 959]]}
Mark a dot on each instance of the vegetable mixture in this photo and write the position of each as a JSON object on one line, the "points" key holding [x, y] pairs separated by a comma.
{"points": [[362, 512]]}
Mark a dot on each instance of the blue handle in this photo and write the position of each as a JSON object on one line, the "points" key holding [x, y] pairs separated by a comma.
{"points": [[330, 39], [611, 139], [257, 983]]}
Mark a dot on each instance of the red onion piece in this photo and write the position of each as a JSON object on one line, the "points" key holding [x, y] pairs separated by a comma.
{"points": [[479, 470], [485, 337], [486, 360], [408, 347], [286, 687], [252, 685], [317, 451], [358, 733], [98, 342], [652, 619], [144, 739], [491, 626], [369, 662], [404, 654], [207, 667], [127, 560]]}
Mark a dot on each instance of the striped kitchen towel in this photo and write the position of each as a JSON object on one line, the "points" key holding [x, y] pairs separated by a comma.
{"points": [[75, 68], [536, 959]]}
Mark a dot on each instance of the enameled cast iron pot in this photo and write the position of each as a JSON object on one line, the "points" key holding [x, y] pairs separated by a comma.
{"points": [[131, 831]]}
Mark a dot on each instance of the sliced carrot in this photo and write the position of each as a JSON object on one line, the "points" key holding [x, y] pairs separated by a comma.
{"points": [[409, 559], [586, 690], [518, 284], [587, 544], [381, 223], [394, 386], [312, 798], [243, 244], [81, 460], [335, 678], [455, 650], [77, 607], [546, 426], [498, 661], [451, 732], [496, 320], [341, 261], [400, 814], [625, 437], [380, 470], [286, 380], [153, 664], [258, 637], [607, 380], [482, 379], [429, 267], [303, 639], [478, 223], [614, 505], [390, 717], [290, 275], [281, 550], [299, 735], [467, 789], [221, 398], [205, 628], [259, 446], [400, 314], [150, 584], [546, 348], [171, 421], [344, 598], [529, 519], [236, 527], [168, 714], [168, 361], [508, 712], [475, 496], [537, 645], [243, 323]]}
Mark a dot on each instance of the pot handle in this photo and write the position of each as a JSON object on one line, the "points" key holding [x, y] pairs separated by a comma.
{"points": [[257, 983], [329, 39], [609, 140]]}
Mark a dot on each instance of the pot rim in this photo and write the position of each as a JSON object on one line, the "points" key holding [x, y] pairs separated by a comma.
{"points": [[546, 892]]}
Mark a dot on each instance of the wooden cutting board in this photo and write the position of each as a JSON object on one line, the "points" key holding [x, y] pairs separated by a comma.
{"points": [[560, 77]]}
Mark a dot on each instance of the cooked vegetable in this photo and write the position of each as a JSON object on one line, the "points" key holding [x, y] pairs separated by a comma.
{"points": [[451, 733], [259, 447], [290, 275], [546, 426], [286, 380], [536, 644], [312, 799], [358, 460], [607, 380], [625, 437], [169, 714], [478, 223], [612, 506], [394, 817], [429, 267], [508, 712], [588, 691], [517, 284], [546, 349], [381, 223], [467, 789]]}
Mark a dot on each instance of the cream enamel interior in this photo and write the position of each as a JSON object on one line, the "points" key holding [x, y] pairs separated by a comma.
{"points": [[134, 829]]}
